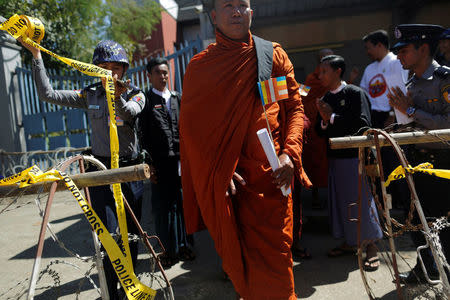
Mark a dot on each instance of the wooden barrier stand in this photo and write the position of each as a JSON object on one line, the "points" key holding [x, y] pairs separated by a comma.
{"points": [[377, 138], [119, 175], [403, 138]]}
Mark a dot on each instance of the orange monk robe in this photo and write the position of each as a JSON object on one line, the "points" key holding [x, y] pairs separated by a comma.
{"points": [[315, 146], [220, 115]]}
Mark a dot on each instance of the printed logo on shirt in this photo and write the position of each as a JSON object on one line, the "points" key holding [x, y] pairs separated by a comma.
{"points": [[92, 106], [446, 93], [342, 102], [377, 86], [157, 106]]}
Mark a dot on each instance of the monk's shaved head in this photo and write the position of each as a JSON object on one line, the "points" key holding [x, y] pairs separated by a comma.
{"points": [[233, 18]]}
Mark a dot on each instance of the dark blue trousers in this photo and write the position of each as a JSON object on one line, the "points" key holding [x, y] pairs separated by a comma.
{"points": [[167, 206], [103, 203]]}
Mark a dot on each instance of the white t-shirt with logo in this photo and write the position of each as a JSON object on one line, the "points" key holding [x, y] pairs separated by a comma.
{"points": [[379, 77]]}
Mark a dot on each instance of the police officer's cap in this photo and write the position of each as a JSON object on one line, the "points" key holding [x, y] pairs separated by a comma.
{"points": [[445, 35], [411, 33]]}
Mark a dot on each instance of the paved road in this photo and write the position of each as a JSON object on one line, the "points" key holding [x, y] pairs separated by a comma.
{"points": [[318, 278]]}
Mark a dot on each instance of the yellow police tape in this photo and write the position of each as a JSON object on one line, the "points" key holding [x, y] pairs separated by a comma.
{"points": [[426, 168], [32, 31], [131, 284]]}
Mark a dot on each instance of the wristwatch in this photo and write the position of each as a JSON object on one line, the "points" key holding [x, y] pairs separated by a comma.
{"points": [[410, 111]]}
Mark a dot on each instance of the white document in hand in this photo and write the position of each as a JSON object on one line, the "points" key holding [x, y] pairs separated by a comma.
{"points": [[269, 149]]}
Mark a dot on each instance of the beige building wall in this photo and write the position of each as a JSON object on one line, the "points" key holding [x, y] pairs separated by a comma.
{"points": [[436, 13], [343, 34], [325, 31]]}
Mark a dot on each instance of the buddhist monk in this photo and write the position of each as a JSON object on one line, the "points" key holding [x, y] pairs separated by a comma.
{"points": [[315, 150], [228, 185]]}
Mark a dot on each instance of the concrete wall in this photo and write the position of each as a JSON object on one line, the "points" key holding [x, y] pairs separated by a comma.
{"points": [[343, 34], [436, 13], [163, 36], [163, 39], [324, 31], [169, 31], [190, 33]]}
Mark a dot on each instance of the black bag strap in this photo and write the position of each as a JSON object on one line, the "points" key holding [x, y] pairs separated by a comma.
{"points": [[264, 54]]}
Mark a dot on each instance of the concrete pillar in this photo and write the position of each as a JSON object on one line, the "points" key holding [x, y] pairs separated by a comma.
{"points": [[12, 136]]}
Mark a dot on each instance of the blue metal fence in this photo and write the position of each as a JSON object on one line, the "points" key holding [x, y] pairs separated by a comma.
{"points": [[48, 126]]}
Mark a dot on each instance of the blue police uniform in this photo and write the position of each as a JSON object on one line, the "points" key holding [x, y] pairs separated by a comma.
{"points": [[430, 110], [128, 106]]}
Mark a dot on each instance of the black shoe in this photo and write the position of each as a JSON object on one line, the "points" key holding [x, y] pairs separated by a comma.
{"points": [[416, 276]]}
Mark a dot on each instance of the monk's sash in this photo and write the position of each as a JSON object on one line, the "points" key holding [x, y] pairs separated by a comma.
{"points": [[264, 55]]}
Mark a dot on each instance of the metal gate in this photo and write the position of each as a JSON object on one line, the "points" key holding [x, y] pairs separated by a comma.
{"points": [[48, 126]]}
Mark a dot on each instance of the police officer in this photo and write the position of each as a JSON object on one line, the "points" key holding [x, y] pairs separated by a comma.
{"points": [[428, 103], [129, 102]]}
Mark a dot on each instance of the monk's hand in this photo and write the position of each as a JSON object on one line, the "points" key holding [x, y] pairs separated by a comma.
{"points": [[232, 188], [285, 173], [399, 100], [324, 109]]}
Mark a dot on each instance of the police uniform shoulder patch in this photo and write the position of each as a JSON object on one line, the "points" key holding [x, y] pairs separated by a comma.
{"points": [[137, 98], [442, 71], [446, 93]]}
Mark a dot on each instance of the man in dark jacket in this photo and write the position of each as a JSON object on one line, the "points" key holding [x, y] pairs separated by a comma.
{"points": [[160, 138]]}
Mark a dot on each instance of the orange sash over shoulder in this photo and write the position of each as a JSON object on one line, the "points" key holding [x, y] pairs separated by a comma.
{"points": [[220, 114]]}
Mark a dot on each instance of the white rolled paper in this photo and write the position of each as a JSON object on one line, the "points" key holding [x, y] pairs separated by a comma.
{"points": [[402, 118], [269, 149]]}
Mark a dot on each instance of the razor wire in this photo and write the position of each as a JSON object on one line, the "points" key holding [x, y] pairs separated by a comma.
{"points": [[14, 162], [54, 159], [432, 237]]}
